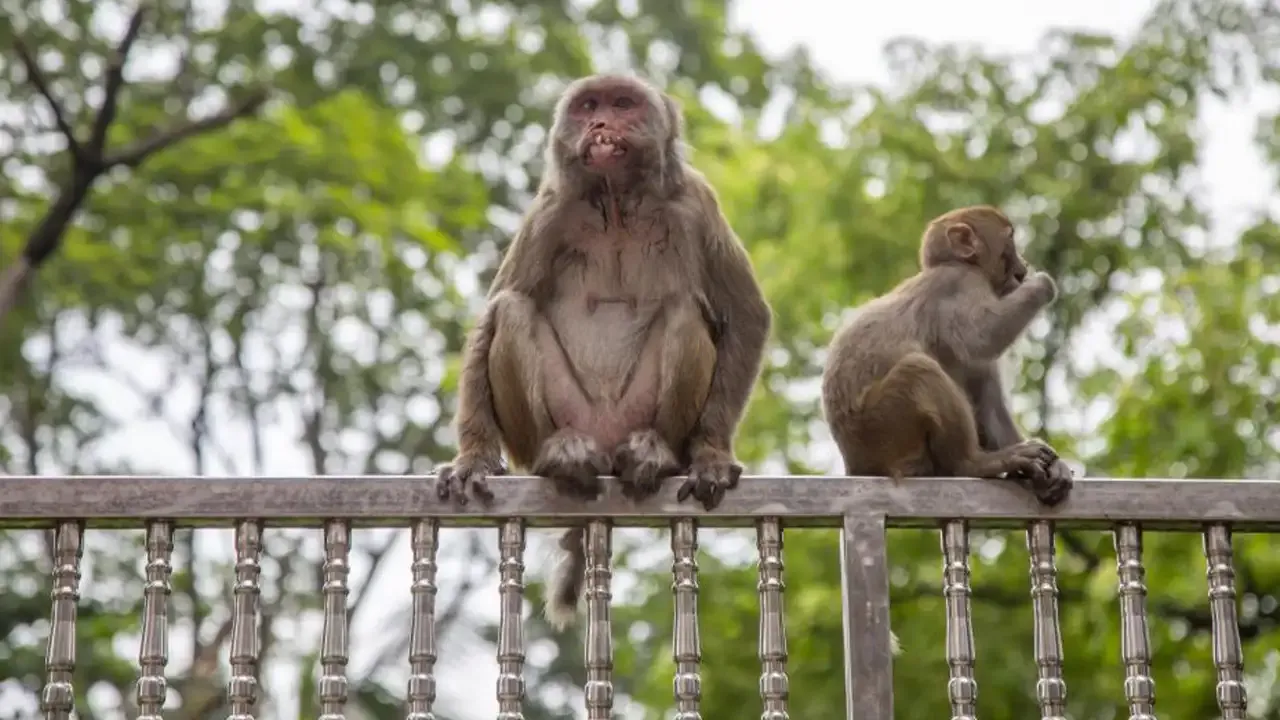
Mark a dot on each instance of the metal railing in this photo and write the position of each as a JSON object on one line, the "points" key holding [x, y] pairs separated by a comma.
{"points": [[862, 507]]}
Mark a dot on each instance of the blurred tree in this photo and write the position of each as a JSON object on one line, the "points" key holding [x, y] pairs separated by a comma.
{"points": [[277, 298], [89, 153], [1089, 146]]}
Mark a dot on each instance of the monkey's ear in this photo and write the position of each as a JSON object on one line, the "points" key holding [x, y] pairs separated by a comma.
{"points": [[963, 241], [675, 118]]}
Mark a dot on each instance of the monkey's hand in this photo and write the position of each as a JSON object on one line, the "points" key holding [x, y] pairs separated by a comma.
{"points": [[712, 473], [1044, 288], [469, 469]]}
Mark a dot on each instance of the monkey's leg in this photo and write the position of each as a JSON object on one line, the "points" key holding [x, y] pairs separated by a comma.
{"points": [[695, 362], [883, 432], [571, 456], [540, 405], [538, 401], [679, 359], [948, 420]]}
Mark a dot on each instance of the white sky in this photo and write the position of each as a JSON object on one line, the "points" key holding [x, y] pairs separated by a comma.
{"points": [[849, 47]]}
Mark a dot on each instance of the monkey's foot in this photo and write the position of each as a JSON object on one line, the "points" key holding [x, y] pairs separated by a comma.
{"points": [[642, 462], [1057, 484], [1050, 479], [574, 461], [453, 479], [712, 474]]}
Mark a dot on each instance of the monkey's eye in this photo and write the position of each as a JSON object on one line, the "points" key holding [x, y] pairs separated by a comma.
{"points": [[623, 102], [588, 104]]}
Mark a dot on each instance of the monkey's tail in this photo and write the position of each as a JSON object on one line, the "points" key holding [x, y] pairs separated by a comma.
{"points": [[566, 581]]}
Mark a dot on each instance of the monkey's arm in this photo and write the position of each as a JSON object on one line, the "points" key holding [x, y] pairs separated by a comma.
{"points": [[982, 328], [476, 423], [479, 438], [523, 269], [526, 266], [996, 428], [743, 318]]}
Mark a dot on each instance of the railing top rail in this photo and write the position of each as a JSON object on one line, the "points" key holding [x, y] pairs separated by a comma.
{"points": [[127, 501]]}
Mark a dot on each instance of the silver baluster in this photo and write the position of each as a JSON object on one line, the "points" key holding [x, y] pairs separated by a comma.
{"points": [[599, 644], [962, 689], [153, 652], [242, 689], [422, 625], [1135, 639], [511, 546], [773, 637], [333, 638], [1051, 690], [58, 699], [1228, 656], [686, 646], [868, 642]]}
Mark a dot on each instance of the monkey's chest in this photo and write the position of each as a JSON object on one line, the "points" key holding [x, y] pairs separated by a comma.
{"points": [[603, 331], [609, 301]]}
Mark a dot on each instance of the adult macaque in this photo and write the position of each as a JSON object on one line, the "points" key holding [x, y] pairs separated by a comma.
{"points": [[912, 387], [624, 329]]}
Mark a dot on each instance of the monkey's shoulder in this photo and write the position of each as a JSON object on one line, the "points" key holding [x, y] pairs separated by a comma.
{"points": [[875, 317], [698, 203]]}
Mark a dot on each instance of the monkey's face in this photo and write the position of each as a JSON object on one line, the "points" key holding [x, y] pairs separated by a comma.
{"points": [[997, 253], [611, 127], [981, 237], [1008, 270]]}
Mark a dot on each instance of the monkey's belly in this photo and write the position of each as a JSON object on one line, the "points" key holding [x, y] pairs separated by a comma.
{"points": [[613, 357]]}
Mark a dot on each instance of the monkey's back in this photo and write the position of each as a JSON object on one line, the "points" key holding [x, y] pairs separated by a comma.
{"points": [[865, 348], [881, 333], [877, 427]]}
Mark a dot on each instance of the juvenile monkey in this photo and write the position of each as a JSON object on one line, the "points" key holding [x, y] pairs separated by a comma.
{"points": [[624, 328], [911, 387]]}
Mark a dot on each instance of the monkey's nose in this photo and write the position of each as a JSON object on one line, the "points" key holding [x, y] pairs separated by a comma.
{"points": [[1020, 274]]}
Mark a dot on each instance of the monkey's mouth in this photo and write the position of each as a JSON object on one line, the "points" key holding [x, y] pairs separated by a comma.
{"points": [[602, 147]]}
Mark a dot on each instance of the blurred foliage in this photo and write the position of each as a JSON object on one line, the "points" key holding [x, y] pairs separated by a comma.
{"points": [[277, 297]]}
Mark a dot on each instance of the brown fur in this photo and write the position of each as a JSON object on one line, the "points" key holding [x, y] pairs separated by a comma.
{"points": [[911, 387], [625, 328]]}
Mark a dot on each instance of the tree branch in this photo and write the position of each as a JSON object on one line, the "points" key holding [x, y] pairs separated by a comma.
{"points": [[376, 557], [133, 155], [251, 402], [11, 283], [112, 84], [312, 422], [445, 617], [37, 78], [199, 419], [1076, 546], [91, 159], [205, 665], [1197, 619], [182, 78]]}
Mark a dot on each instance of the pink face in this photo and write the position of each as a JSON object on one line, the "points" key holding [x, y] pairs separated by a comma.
{"points": [[608, 117]]}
